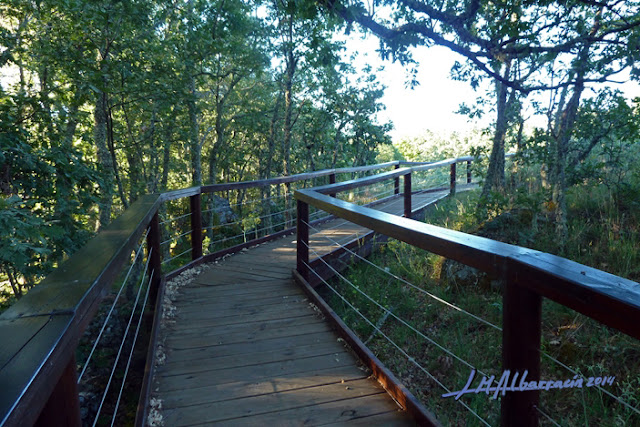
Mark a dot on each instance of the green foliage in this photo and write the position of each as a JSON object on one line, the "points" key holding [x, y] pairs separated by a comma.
{"points": [[111, 100], [433, 147]]}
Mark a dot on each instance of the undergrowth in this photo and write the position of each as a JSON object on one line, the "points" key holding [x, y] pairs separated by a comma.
{"points": [[604, 230]]}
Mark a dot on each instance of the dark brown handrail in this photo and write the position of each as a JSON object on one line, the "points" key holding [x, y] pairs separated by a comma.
{"points": [[40, 332], [530, 275]]}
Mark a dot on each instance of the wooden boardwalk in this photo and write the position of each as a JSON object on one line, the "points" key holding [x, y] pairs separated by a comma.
{"points": [[247, 347]]}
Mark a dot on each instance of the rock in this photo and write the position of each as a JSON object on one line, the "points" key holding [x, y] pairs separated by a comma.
{"points": [[222, 209]]}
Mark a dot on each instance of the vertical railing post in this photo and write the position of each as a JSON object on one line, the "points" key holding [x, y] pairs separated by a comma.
{"points": [[396, 183], [407, 195], [196, 226], [452, 187], [521, 332], [302, 251], [63, 406], [468, 171], [153, 248], [332, 180]]}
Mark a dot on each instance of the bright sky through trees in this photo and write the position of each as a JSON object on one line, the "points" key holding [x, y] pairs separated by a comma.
{"points": [[432, 104]]}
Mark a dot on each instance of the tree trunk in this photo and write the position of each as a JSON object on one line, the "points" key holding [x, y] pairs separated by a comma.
{"points": [[194, 132], [495, 174], [104, 159], [564, 129], [268, 165]]}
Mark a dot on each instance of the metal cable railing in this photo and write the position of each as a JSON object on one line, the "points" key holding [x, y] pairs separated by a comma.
{"points": [[124, 340], [409, 358]]}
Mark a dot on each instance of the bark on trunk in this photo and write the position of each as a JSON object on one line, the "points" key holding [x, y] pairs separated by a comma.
{"points": [[495, 174], [194, 133], [104, 159]]}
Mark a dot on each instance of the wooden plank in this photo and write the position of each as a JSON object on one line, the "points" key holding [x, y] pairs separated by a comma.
{"points": [[217, 304], [256, 264], [248, 406], [326, 413], [200, 289], [220, 275], [218, 336], [234, 390], [393, 386], [256, 372], [248, 298], [252, 312], [245, 348], [394, 418], [249, 326], [281, 354], [234, 319], [245, 269]]}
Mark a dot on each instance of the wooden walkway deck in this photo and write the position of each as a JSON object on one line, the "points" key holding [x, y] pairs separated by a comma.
{"points": [[247, 347]]}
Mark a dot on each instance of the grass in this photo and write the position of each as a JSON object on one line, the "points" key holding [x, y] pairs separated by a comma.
{"points": [[604, 234]]}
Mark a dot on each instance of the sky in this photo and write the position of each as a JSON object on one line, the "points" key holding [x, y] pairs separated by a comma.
{"points": [[429, 106], [432, 105]]}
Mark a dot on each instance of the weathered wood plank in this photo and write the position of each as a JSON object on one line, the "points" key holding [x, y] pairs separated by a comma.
{"points": [[256, 336], [255, 312], [281, 353], [394, 418], [239, 303], [242, 407], [234, 390], [218, 350], [248, 298], [257, 372], [325, 413]]}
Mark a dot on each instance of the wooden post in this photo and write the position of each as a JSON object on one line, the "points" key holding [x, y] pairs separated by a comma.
{"points": [[303, 240], [407, 195], [155, 264], [63, 406], [196, 226], [521, 332], [452, 188], [396, 183], [332, 180], [468, 171]]}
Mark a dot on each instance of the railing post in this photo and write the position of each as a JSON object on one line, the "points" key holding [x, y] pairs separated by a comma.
{"points": [[468, 171], [452, 187], [302, 222], [332, 180], [521, 332], [63, 406], [396, 183], [153, 248], [407, 195], [196, 226]]}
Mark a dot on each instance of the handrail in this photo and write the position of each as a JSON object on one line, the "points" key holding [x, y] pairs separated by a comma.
{"points": [[530, 275], [40, 332], [293, 178]]}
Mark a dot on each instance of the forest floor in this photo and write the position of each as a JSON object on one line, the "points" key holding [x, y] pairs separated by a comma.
{"points": [[447, 343]]}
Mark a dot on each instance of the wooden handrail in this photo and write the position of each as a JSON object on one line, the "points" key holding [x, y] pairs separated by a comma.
{"points": [[530, 276], [292, 178], [40, 332]]}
